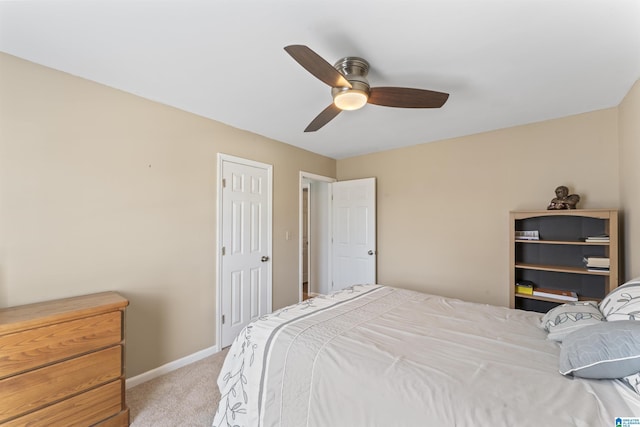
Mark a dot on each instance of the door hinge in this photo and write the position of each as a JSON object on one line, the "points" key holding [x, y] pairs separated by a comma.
{"points": [[224, 182], [224, 251], [223, 319]]}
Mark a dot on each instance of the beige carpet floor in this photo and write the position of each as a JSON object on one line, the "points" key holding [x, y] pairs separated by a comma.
{"points": [[187, 396]]}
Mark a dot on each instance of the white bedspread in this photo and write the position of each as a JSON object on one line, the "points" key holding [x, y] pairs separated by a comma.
{"points": [[382, 356]]}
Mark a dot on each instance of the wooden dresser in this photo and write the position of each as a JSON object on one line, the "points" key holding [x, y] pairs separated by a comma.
{"points": [[62, 363]]}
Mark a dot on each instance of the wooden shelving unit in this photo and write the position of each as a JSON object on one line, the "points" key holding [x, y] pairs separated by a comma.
{"points": [[556, 260]]}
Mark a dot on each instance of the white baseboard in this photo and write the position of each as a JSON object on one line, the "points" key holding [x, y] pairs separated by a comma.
{"points": [[171, 366]]}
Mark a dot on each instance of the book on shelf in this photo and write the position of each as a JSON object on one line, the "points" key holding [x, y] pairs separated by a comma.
{"points": [[598, 269], [524, 287], [556, 294], [601, 238], [527, 235], [598, 262]]}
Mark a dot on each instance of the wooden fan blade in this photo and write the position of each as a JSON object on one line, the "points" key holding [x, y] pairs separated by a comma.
{"points": [[323, 118], [405, 97], [316, 65]]}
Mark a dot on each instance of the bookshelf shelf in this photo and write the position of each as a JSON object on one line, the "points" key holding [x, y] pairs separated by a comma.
{"points": [[556, 260], [553, 300], [562, 242], [560, 268]]}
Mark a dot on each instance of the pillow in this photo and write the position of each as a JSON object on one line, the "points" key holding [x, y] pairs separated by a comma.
{"points": [[633, 381], [623, 303], [604, 351], [566, 318]]}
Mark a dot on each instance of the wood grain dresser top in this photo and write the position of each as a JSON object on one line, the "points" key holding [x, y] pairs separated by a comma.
{"points": [[14, 319]]}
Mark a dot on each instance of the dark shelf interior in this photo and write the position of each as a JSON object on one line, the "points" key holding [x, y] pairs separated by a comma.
{"points": [[586, 286], [558, 255], [563, 227], [560, 229], [535, 305]]}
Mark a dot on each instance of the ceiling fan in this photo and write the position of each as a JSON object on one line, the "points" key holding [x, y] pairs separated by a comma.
{"points": [[350, 89]]}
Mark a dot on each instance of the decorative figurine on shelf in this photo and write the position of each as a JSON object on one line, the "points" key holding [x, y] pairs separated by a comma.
{"points": [[563, 199]]}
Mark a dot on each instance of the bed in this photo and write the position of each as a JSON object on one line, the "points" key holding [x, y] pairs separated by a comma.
{"points": [[376, 355]]}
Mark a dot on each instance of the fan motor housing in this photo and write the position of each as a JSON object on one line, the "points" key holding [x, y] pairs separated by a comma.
{"points": [[355, 70]]}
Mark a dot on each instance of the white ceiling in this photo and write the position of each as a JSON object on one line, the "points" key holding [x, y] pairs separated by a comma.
{"points": [[505, 63]]}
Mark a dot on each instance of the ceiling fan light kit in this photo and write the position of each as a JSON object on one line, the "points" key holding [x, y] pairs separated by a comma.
{"points": [[349, 99], [350, 88]]}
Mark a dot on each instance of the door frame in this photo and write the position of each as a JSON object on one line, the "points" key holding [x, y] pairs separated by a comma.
{"points": [[219, 230], [313, 177], [306, 188]]}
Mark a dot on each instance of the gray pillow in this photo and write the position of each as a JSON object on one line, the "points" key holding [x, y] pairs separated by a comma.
{"points": [[623, 303], [604, 351], [569, 317]]}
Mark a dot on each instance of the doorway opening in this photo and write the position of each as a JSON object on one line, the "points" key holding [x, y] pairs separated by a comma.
{"points": [[315, 235], [337, 234]]}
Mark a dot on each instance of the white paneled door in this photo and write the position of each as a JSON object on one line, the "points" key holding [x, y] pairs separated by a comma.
{"points": [[245, 248], [354, 232]]}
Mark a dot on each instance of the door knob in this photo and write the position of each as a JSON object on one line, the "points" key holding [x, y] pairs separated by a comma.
{"points": [[264, 258], [371, 252]]}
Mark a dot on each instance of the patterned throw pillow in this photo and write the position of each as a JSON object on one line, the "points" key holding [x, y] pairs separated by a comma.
{"points": [[623, 303], [566, 318]]}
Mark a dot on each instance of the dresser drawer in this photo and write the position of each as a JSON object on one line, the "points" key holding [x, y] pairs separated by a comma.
{"points": [[82, 410], [32, 348], [35, 389]]}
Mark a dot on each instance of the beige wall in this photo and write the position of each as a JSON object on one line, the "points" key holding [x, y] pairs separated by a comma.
{"points": [[103, 190], [629, 122], [443, 207]]}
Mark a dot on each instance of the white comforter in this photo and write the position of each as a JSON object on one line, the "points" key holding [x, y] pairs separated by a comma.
{"points": [[381, 356]]}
